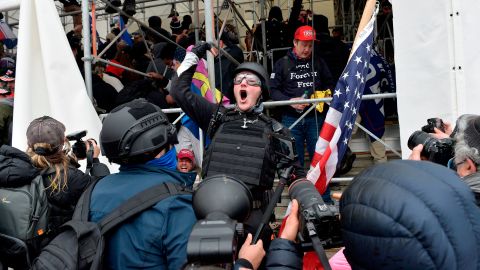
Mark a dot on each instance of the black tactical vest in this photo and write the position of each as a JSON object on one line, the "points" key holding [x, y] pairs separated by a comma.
{"points": [[241, 147]]}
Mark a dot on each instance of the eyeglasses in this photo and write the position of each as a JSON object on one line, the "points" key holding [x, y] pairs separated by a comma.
{"points": [[454, 165], [251, 79]]}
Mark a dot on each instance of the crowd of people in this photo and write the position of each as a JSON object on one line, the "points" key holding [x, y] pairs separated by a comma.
{"points": [[432, 224]]}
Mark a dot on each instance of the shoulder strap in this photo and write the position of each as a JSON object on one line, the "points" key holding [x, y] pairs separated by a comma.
{"points": [[139, 203], [287, 65], [83, 205]]}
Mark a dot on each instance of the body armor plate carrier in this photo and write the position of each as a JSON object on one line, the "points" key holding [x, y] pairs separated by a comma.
{"points": [[242, 147]]}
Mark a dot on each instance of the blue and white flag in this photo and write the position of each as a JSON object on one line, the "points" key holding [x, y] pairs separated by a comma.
{"points": [[125, 36], [379, 80]]}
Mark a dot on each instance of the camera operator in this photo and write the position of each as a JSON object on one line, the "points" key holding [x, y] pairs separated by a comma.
{"points": [[466, 160], [48, 148], [237, 133]]}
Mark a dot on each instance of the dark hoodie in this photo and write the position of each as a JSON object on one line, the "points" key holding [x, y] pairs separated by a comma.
{"points": [[292, 76]]}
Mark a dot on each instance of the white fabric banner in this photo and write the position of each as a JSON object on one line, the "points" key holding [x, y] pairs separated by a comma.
{"points": [[48, 81], [468, 55], [6, 5], [436, 63]]}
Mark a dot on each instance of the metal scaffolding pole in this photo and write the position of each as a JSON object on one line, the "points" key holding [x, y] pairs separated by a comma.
{"points": [[271, 104], [96, 59], [378, 139], [210, 37], [344, 30], [141, 23], [234, 8], [137, 2], [112, 42], [352, 9], [148, 6], [86, 47], [196, 20], [264, 34]]}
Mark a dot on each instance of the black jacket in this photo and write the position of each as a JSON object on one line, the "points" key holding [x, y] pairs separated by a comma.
{"points": [[284, 254], [62, 204], [199, 109], [292, 76], [196, 107], [103, 93], [16, 168]]}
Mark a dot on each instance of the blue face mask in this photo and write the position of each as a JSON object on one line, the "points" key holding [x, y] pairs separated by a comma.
{"points": [[168, 160]]}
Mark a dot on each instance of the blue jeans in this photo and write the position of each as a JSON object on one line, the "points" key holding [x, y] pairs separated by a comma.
{"points": [[306, 131]]}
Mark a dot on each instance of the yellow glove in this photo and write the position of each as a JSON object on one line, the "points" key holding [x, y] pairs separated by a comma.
{"points": [[321, 94]]}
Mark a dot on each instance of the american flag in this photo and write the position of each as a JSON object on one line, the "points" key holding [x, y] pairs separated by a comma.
{"points": [[340, 120]]}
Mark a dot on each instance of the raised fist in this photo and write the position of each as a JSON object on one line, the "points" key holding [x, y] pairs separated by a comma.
{"points": [[201, 49]]}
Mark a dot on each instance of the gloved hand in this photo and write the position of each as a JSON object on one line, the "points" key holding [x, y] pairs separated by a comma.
{"points": [[201, 49]]}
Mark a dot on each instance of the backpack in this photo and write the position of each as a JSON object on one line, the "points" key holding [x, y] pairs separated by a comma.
{"points": [[80, 243], [24, 210], [24, 214]]}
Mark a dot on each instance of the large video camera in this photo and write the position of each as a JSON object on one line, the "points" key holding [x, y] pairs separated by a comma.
{"points": [[436, 150], [317, 218], [221, 203], [79, 148]]}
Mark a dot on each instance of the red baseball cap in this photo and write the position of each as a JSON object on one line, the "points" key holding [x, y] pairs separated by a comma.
{"points": [[115, 70], [306, 33], [186, 153]]}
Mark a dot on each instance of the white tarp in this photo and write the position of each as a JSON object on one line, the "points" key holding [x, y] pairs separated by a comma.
{"points": [[6, 5], [437, 61], [48, 81]]}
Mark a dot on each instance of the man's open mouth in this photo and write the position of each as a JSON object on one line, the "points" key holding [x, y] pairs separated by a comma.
{"points": [[243, 94]]}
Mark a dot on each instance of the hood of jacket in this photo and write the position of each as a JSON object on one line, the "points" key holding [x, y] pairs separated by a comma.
{"points": [[410, 215], [16, 168]]}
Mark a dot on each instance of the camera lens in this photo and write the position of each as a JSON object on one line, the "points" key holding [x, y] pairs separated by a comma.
{"points": [[420, 137], [305, 193]]}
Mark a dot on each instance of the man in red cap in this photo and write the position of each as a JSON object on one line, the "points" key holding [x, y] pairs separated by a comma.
{"points": [[185, 161], [298, 75]]}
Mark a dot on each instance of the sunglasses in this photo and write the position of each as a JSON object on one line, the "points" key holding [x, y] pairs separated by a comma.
{"points": [[251, 79]]}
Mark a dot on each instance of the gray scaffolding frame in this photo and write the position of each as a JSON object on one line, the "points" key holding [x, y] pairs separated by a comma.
{"points": [[209, 25]]}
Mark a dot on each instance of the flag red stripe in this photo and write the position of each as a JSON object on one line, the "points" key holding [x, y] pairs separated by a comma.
{"points": [[316, 158], [327, 131], [321, 183]]}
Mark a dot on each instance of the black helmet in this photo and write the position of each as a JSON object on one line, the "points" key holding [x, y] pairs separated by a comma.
{"points": [[135, 128], [257, 69]]}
